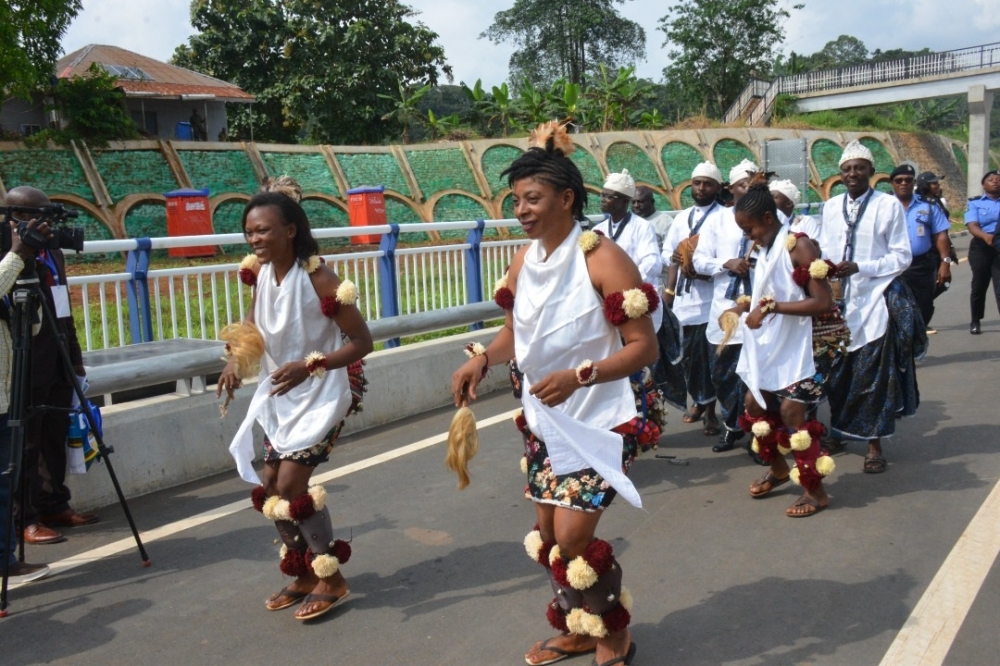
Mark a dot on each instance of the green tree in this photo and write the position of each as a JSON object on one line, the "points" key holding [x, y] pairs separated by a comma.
{"points": [[405, 108], [30, 31], [93, 109], [718, 45], [841, 52], [317, 69], [566, 38]]}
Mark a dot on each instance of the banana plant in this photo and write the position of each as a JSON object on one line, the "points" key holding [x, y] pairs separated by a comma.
{"points": [[405, 111]]}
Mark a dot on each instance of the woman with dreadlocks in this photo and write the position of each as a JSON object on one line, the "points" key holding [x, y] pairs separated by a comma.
{"points": [[578, 325], [794, 331]]}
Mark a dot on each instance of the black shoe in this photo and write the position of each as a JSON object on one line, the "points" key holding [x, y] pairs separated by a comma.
{"points": [[974, 327], [728, 441]]}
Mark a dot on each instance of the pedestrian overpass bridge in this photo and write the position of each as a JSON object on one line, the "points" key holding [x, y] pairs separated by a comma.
{"points": [[973, 71]]}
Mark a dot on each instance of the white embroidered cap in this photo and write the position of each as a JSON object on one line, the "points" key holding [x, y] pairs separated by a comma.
{"points": [[707, 170], [787, 188], [856, 150], [621, 182], [742, 170]]}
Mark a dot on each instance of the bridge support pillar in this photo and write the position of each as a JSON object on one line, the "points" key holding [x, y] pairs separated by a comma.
{"points": [[980, 103]]}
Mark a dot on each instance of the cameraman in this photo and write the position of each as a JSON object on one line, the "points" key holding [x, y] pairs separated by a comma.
{"points": [[10, 267], [45, 435]]}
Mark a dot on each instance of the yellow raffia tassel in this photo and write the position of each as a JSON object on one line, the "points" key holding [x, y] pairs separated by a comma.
{"points": [[761, 429], [245, 345], [533, 544], [269, 505], [316, 361], [800, 440], [744, 300], [312, 264], [825, 465], [589, 240], [819, 269], [783, 450], [463, 443], [579, 621], [635, 303], [524, 464], [250, 261], [500, 284], [552, 136], [625, 599], [325, 566], [794, 476], [729, 322], [478, 349], [318, 494], [347, 293], [790, 242], [580, 574], [754, 446], [554, 555]]}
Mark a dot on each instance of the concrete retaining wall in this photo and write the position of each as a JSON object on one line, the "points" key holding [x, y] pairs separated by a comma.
{"points": [[169, 440]]}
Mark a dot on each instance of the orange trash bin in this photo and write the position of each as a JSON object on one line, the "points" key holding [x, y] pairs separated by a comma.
{"points": [[365, 208], [189, 214]]}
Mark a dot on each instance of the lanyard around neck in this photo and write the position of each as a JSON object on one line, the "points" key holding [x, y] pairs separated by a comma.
{"points": [[852, 226], [694, 229], [615, 235]]}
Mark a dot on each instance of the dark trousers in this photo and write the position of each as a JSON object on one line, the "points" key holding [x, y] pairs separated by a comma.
{"points": [[985, 264], [45, 452], [921, 278]]}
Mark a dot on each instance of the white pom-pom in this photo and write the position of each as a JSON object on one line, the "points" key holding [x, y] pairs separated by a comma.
{"points": [[589, 240], [325, 566], [318, 494], [783, 450], [347, 293], [312, 263], [800, 440], [250, 261], [625, 599], [477, 349], [282, 551], [794, 476], [282, 510], [533, 544], [580, 574], [819, 269], [524, 464], [635, 303], [761, 429], [554, 555], [500, 284], [825, 465], [269, 506]]}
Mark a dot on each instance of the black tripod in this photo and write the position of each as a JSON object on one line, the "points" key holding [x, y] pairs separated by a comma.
{"points": [[26, 298]]}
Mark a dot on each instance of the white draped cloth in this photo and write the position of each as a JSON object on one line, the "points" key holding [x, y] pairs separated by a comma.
{"points": [[559, 323], [638, 239], [290, 318], [780, 352], [882, 252]]}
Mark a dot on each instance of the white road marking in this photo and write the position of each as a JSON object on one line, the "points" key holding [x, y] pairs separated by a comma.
{"points": [[170, 529], [929, 632]]}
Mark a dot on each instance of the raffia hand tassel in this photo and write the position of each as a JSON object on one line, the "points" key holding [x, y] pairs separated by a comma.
{"points": [[475, 349], [825, 465], [800, 440], [463, 444]]}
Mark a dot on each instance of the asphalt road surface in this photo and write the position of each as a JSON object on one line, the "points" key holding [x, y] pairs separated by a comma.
{"points": [[901, 569]]}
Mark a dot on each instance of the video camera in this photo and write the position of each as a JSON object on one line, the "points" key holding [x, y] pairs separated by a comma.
{"points": [[63, 237]]}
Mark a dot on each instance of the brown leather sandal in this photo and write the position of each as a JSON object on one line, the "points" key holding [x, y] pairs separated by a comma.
{"points": [[766, 484]]}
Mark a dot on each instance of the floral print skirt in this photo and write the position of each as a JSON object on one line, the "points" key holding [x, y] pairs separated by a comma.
{"points": [[314, 456], [583, 490]]}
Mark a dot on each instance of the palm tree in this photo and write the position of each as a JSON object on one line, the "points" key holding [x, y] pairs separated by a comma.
{"points": [[405, 111]]}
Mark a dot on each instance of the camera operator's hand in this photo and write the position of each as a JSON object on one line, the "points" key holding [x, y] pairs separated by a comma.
{"points": [[21, 248]]}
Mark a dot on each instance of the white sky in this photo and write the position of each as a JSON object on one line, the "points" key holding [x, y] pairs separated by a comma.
{"points": [[155, 27]]}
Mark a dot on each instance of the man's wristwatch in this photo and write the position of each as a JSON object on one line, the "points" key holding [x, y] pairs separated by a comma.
{"points": [[948, 260]]}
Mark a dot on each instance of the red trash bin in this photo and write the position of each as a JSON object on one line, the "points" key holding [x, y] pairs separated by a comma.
{"points": [[365, 208], [189, 214]]}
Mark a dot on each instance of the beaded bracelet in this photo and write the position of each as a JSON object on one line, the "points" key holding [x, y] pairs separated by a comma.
{"points": [[767, 304], [586, 373], [316, 363]]}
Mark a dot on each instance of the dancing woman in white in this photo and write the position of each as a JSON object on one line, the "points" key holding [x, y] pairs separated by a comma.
{"points": [[578, 324], [303, 311]]}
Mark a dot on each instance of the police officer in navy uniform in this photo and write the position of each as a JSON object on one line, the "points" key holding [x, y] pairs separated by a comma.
{"points": [[981, 218], [927, 227]]}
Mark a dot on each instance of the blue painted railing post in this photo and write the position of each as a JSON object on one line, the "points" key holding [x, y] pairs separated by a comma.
{"points": [[474, 268], [140, 314], [388, 277]]}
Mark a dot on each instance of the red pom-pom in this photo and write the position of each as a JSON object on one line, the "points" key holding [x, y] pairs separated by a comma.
{"points": [[248, 277], [617, 619], [301, 507], [598, 232], [830, 265], [556, 617], [745, 422], [614, 310], [341, 550], [651, 295], [600, 556], [504, 297], [294, 564], [558, 568], [814, 428], [544, 552], [330, 306], [801, 276], [522, 425], [257, 497]]}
